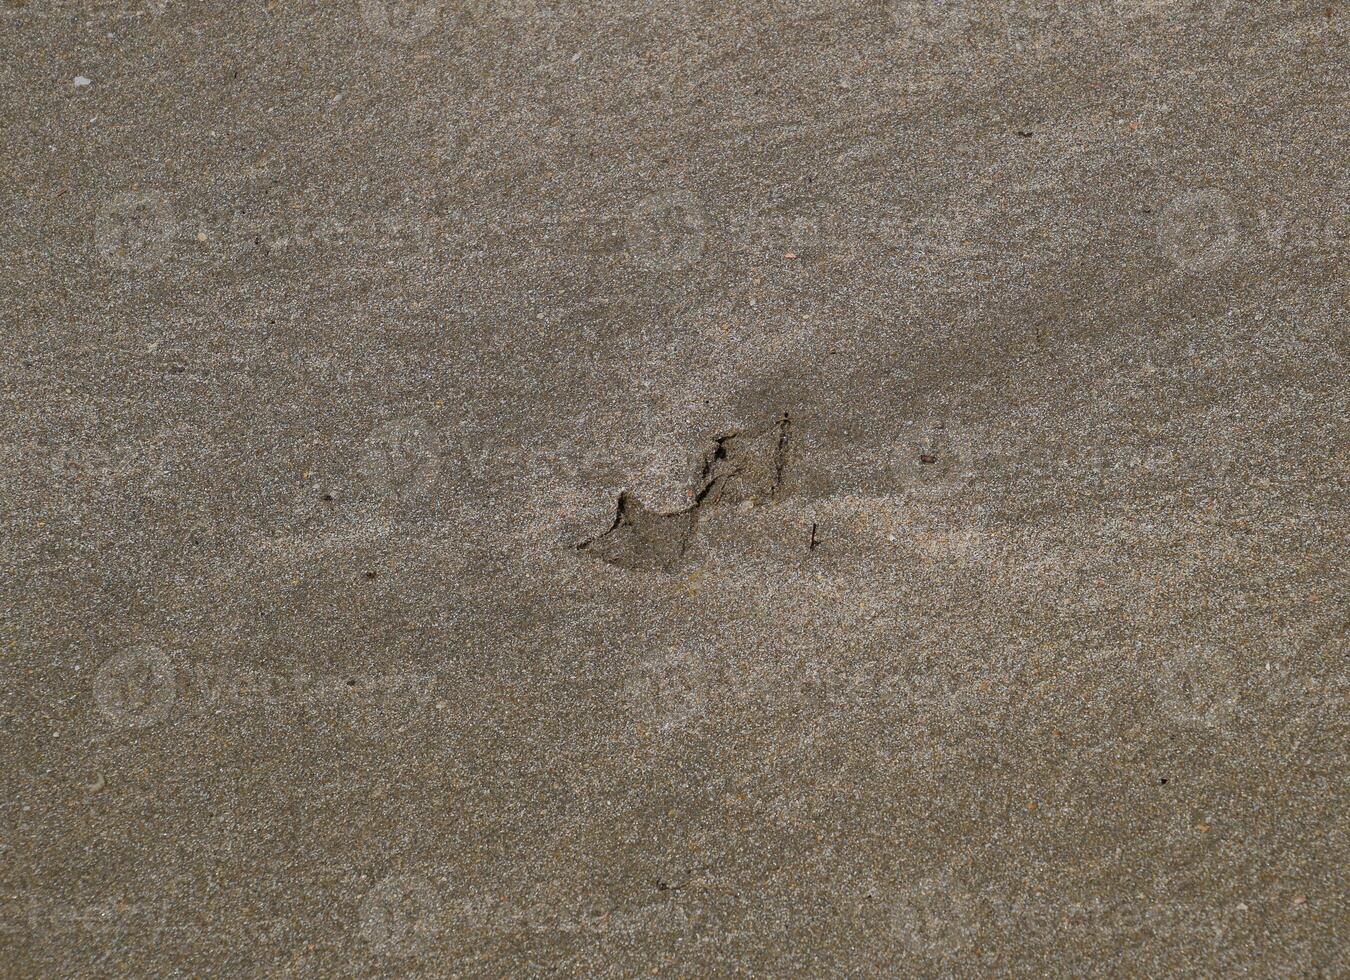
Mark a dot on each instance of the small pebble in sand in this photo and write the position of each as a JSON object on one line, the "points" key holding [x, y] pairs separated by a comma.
{"points": [[81, 81]]}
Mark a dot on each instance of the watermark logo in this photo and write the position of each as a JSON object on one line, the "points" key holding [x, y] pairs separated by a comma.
{"points": [[84, 465], [134, 230], [401, 21], [92, 10], [1317, 225], [670, 688], [1206, 13], [924, 24], [785, 232], [1198, 230], [1198, 689], [110, 919], [1037, 27], [143, 687], [402, 459], [407, 915], [399, 916], [140, 230], [1216, 691], [667, 231], [934, 454], [518, 10], [137, 688], [933, 918]]}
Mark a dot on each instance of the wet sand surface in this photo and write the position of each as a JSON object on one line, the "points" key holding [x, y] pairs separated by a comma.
{"points": [[602, 489]]}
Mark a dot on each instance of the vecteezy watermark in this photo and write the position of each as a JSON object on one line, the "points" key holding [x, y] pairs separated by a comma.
{"points": [[1206, 13], [940, 919], [1198, 230], [109, 919], [921, 25], [539, 917], [401, 916], [670, 687], [90, 9], [145, 229], [1216, 690], [145, 687], [1197, 688], [85, 465], [401, 21], [402, 459], [1034, 27], [135, 230], [936, 454], [1320, 225], [1201, 230], [407, 914], [666, 231], [519, 10], [788, 231], [934, 918], [137, 688]]}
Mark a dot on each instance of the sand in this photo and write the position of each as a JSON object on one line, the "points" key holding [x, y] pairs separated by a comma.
{"points": [[600, 489]]}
